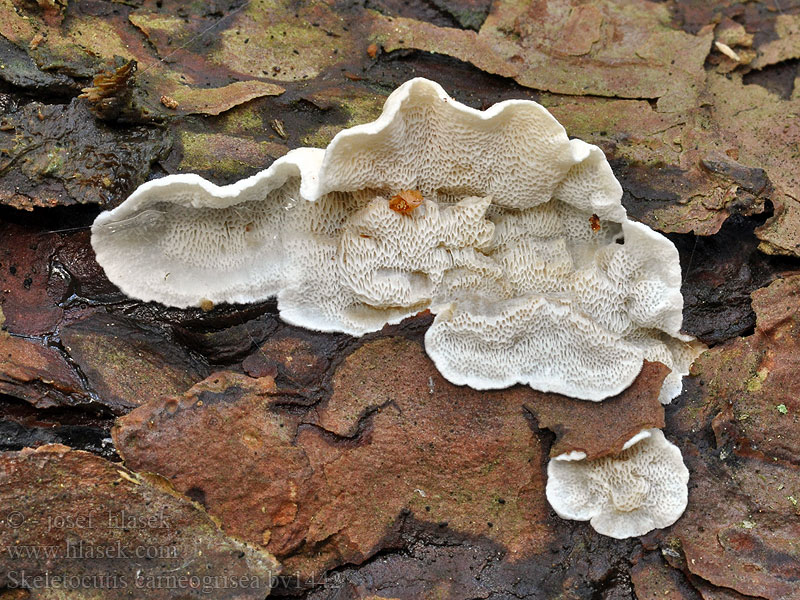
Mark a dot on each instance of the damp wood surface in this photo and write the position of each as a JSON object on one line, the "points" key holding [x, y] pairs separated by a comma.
{"points": [[351, 461]]}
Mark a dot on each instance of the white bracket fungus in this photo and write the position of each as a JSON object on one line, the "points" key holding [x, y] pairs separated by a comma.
{"points": [[642, 488], [519, 245]]}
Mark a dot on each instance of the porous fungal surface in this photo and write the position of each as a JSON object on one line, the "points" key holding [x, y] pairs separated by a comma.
{"points": [[512, 234], [640, 489]]}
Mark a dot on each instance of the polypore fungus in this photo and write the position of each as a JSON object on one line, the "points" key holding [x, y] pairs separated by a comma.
{"points": [[512, 234], [642, 488]]}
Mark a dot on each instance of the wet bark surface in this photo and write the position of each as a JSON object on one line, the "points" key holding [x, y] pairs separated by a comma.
{"points": [[352, 461]]}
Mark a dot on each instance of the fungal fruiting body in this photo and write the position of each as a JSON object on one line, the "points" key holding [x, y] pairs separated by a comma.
{"points": [[512, 234], [642, 488]]}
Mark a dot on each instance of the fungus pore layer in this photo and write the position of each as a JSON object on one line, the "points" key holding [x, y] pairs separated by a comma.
{"points": [[520, 246], [642, 488]]}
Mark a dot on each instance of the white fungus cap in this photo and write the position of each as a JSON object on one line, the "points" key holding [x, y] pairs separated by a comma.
{"points": [[642, 488], [521, 246]]}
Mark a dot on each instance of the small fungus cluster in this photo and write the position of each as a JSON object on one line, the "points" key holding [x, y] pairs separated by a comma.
{"points": [[510, 233], [642, 488]]}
